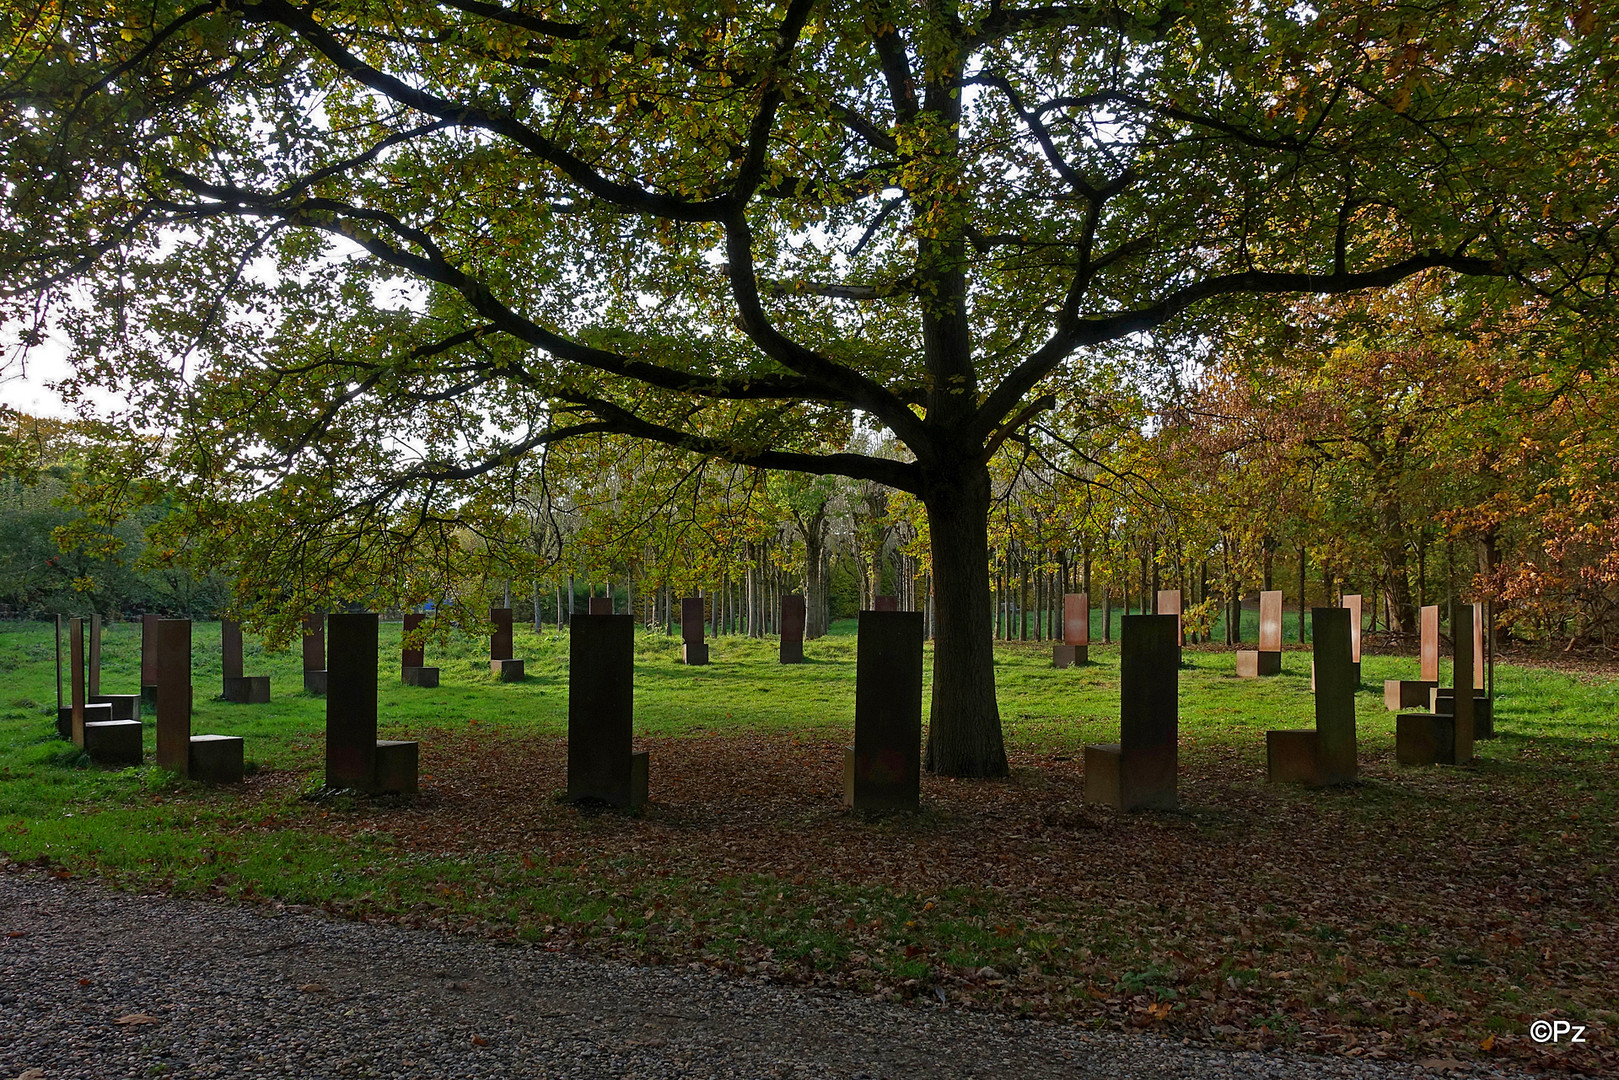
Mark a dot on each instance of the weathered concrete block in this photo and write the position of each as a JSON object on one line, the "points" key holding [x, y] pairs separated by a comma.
{"points": [[93, 714], [793, 614], [883, 771], [507, 670], [600, 605], [691, 653], [1442, 699], [1103, 775], [1076, 619], [602, 764], [1068, 655], [215, 759], [247, 689], [1406, 694], [1425, 739], [1270, 621], [124, 706], [1292, 756], [1252, 665], [421, 676], [114, 742], [315, 681], [351, 700], [692, 614], [500, 642], [394, 768], [1336, 678], [1149, 718], [172, 641]]}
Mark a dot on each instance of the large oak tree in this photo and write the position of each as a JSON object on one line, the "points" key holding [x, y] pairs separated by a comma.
{"points": [[355, 253]]}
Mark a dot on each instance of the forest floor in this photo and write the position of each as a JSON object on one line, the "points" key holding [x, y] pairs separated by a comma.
{"points": [[1426, 915]]}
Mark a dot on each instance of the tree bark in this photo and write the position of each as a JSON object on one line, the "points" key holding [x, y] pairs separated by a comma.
{"points": [[964, 730]]}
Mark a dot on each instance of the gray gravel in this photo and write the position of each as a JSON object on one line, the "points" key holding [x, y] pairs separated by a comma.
{"points": [[215, 990]]}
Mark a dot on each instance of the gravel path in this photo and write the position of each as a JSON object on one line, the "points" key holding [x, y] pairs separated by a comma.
{"points": [[97, 984]]}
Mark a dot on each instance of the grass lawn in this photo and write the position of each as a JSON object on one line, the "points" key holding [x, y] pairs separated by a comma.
{"points": [[1423, 913]]}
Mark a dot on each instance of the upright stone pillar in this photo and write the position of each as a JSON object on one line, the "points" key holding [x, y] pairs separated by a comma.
{"points": [[692, 649], [1325, 754], [601, 605], [149, 659], [1443, 699], [1439, 738], [602, 763], [123, 706], [885, 603], [1076, 631], [314, 644], [501, 663], [1267, 660], [1352, 602], [239, 688], [792, 628], [355, 758], [208, 759], [1415, 693], [413, 669], [1138, 772], [883, 770]]}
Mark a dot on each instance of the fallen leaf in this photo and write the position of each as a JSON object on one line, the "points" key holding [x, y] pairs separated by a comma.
{"points": [[479, 1040], [129, 1019], [313, 988]]}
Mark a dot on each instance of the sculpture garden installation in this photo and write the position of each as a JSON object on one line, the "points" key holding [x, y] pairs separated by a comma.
{"points": [[209, 759], [315, 654], [412, 660], [91, 727], [242, 689], [600, 605], [501, 663], [792, 628], [1267, 659], [1415, 693], [355, 758], [692, 649], [1138, 772], [1076, 631], [602, 763], [1438, 738], [1324, 754], [883, 769]]}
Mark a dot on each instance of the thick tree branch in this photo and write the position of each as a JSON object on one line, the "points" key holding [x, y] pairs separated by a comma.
{"points": [[1078, 334], [900, 475]]}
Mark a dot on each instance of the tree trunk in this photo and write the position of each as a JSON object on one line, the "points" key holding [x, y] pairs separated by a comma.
{"points": [[964, 730]]}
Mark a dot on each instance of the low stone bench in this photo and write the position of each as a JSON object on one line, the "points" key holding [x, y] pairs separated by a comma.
{"points": [[115, 742], [247, 689], [428, 676], [215, 759], [1407, 693], [1251, 664], [93, 714], [124, 706]]}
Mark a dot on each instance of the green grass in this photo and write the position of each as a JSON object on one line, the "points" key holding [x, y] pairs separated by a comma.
{"points": [[1219, 916]]}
